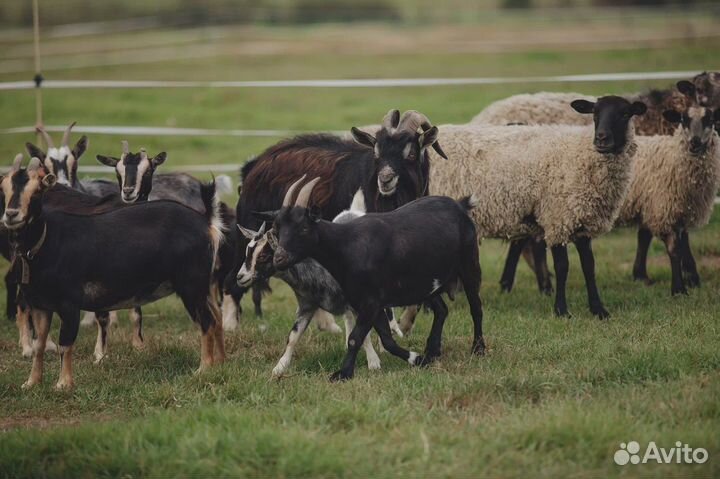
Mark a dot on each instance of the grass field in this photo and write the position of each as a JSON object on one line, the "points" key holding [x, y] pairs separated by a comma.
{"points": [[552, 398]]}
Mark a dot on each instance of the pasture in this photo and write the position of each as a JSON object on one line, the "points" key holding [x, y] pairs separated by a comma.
{"points": [[552, 398]]}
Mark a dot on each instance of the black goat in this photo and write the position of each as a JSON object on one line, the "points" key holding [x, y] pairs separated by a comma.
{"points": [[137, 181], [392, 168], [405, 257], [68, 260]]}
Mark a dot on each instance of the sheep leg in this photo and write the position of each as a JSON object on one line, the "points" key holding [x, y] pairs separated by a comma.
{"points": [[302, 319], [560, 260], [644, 239], [542, 273], [587, 262], [433, 347], [687, 262], [362, 327], [672, 245], [70, 323], [41, 322], [103, 320], [508, 275], [471, 278]]}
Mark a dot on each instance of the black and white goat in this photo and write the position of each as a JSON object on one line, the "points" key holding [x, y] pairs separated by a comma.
{"points": [[68, 259], [392, 168], [318, 294], [406, 257], [137, 181]]}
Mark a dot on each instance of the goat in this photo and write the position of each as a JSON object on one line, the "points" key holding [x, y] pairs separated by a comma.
{"points": [[405, 257], [64, 271], [318, 294], [137, 181], [392, 168]]}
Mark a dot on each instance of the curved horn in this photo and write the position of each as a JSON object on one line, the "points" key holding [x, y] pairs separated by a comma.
{"points": [[287, 201], [391, 120], [48, 140], [143, 154], [304, 196], [66, 135], [125, 147], [34, 164], [412, 120], [16, 162]]}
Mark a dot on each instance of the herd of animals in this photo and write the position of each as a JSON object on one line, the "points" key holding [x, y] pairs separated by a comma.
{"points": [[390, 215]]}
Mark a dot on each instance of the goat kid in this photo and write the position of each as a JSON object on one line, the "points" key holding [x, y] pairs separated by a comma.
{"points": [[406, 257], [61, 272]]}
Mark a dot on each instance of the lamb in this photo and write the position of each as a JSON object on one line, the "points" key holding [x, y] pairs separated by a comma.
{"points": [[404, 257], [63, 271], [318, 294], [675, 179], [554, 108], [558, 183]]}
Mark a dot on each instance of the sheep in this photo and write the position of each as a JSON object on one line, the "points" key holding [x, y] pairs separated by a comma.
{"points": [[403, 257], [318, 294], [554, 108], [390, 165], [674, 182], [92, 258], [558, 183]]}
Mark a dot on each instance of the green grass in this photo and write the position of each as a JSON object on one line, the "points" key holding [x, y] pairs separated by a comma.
{"points": [[552, 398]]}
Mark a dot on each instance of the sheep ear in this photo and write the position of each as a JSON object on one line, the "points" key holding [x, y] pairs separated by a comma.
{"points": [[638, 108], [583, 106], [362, 137], [159, 159], [672, 116], [108, 160], [686, 88]]}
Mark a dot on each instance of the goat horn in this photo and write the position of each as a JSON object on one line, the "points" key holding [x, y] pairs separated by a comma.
{"points": [[412, 120], [34, 164], [125, 147], [48, 140], [287, 201], [304, 196], [143, 154], [16, 163], [66, 135], [391, 120]]}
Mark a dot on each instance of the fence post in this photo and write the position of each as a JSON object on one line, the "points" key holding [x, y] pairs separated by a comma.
{"points": [[38, 76]]}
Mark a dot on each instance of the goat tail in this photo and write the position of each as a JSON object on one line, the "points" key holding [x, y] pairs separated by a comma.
{"points": [[469, 203], [210, 199]]}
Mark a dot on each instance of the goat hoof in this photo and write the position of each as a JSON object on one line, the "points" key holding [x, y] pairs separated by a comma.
{"points": [[339, 376], [28, 384], [562, 312], [505, 287], [64, 385], [693, 282], [681, 290], [27, 353], [547, 291], [478, 348], [600, 312], [427, 359]]}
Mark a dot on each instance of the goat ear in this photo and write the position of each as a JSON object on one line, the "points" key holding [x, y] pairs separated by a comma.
{"points": [[49, 180], [159, 159], [265, 215], [314, 214], [672, 116], [363, 137], [248, 233], [638, 108], [583, 106], [108, 160], [686, 88], [80, 147], [428, 137], [34, 151]]}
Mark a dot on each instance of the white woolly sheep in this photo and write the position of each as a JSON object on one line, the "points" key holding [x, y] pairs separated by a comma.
{"points": [[558, 183]]}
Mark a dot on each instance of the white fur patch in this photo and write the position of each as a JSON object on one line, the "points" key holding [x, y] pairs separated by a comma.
{"points": [[229, 313], [435, 286], [412, 358], [407, 150]]}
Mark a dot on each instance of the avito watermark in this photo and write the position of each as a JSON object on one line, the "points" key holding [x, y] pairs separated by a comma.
{"points": [[629, 453]]}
